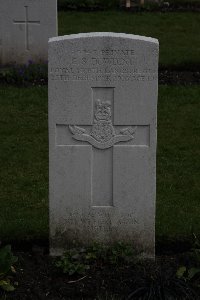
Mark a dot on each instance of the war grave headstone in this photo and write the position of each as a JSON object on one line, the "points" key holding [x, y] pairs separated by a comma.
{"points": [[102, 140], [128, 3], [26, 26]]}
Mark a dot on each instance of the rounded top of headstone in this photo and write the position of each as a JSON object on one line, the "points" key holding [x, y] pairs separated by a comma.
{"points": [[104, 34]]}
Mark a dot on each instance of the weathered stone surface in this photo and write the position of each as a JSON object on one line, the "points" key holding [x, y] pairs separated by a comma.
{"points": [[102, 138], [26, 26]]}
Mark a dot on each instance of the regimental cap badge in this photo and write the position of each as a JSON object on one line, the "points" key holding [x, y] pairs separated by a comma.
{"points": [[102, 134], [103, 110]]}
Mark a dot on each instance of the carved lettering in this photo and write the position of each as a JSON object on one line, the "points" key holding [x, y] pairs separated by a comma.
{"points": [[104, 64], [111, 77]]}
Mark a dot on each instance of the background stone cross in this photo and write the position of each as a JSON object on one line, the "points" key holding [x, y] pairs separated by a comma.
{"points": [[26, 22]]}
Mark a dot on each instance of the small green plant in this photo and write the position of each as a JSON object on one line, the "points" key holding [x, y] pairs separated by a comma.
{"points": [[122, 253], [7, 259], [27, 74], [73, 262], [78, 261], [161, 286], [189, 273], [96, 252]]}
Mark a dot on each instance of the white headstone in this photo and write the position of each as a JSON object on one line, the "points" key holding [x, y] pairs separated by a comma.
{"points": [[26, 26], [128, 3], [102, 133]]}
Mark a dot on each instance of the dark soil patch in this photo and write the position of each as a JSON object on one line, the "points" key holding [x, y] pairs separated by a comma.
{"points": [[38, 278]]}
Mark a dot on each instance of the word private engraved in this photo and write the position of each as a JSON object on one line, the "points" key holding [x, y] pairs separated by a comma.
{"points": [[102, 134]]}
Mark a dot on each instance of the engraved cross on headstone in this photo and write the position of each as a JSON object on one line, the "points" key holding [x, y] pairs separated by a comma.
{"points": [[26, 22], [103, 136]]}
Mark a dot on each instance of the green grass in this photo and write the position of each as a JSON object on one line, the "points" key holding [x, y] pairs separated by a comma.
{"points": [[178, 33], [178, 165], [24, 162]]}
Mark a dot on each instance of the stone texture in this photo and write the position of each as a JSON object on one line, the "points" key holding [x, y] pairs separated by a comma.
{"points": [[26, 26], [102, 137]]}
